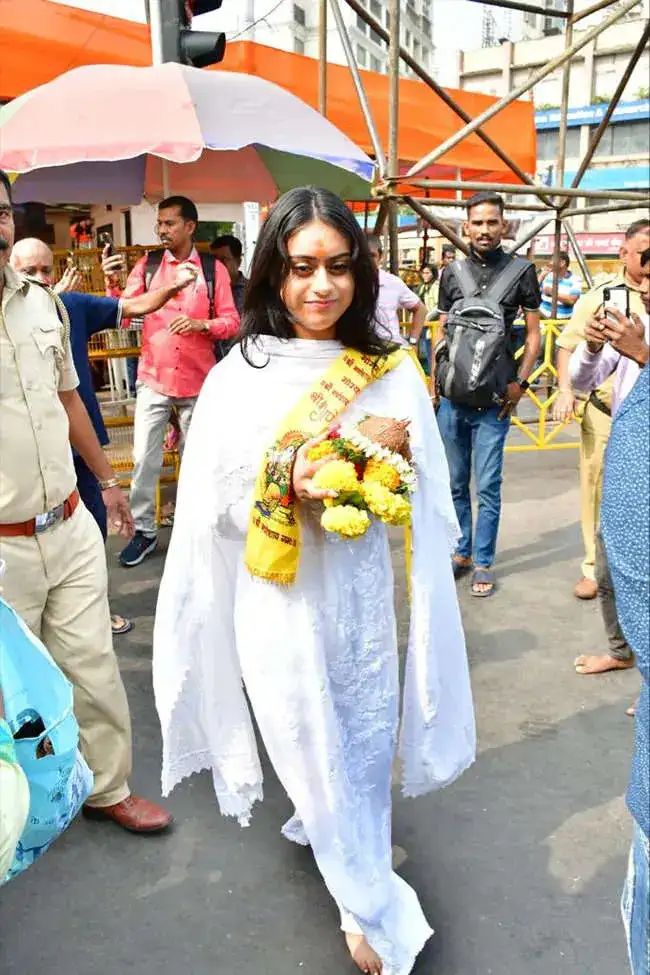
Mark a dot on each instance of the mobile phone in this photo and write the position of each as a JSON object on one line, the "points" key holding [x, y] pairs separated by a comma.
{"points": [[617, 297], [107, 241]]}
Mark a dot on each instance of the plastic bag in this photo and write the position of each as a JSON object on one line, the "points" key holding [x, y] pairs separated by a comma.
{"points": [[38, 703]]}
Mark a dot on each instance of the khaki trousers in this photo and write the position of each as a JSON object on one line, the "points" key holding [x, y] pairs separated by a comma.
{"points": [[594, 434], [57, 582]]}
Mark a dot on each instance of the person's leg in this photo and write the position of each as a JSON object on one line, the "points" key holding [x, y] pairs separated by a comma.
{"points": [[456, 434], [24, 583], [489, 436], [152, 412], [635, 904], [184, 410], [619, 655], [77, 631], [594, 432]]}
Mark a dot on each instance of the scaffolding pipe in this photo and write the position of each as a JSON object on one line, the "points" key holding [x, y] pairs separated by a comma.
{"points": [[529, 7], [460, 204], [587, 211], [530, 234], [557, 62], [322, 57], [360, 90], [442, 184], [393, 125], [594, 142], [588, 11], [440, 92], [442, 227], [580, 257]]}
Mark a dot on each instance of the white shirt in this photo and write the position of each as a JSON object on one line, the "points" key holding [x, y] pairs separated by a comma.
{"points": [[393, 295], [589, 370]]}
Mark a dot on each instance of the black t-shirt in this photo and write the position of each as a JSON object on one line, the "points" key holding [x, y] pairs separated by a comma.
{"points": [[485, 267]]}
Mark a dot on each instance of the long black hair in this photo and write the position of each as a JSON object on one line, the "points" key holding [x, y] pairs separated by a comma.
{"points": [[264, 310]]}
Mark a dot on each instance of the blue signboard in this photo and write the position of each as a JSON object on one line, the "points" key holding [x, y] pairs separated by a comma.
{"points": [[613, 178], [638, 111]]}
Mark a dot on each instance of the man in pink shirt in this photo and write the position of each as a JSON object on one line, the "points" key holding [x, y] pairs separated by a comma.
{"points": [[177, 355]]}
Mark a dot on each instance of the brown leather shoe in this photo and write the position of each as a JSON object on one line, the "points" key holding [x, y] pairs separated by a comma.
{"points": [[133, 813], [585, 589]]}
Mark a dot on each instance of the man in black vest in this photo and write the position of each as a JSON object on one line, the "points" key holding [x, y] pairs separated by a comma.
{"points": [[478, 435]]}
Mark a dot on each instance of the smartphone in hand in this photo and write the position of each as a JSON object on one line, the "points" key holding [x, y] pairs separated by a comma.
{"points": [[617, 297]]}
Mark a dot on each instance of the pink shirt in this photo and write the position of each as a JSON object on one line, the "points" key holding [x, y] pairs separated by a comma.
{"points": [[177, 365], [394, 294]]}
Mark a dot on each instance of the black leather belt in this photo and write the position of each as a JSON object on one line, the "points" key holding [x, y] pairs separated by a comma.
{"points": [[596, 401]]}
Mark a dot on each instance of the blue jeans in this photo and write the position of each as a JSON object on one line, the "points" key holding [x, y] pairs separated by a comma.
{"points": [[635, 904], [480, 436], [91, 493]]}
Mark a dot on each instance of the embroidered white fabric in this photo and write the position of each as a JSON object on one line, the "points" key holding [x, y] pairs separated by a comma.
{"points": [[318, 659]]}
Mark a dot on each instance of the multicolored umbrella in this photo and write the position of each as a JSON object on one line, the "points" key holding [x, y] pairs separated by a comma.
{"points": [[116, 134]]}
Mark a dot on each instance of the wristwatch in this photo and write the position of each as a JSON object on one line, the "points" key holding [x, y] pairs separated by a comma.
{"points": [[523, 383], [412, 340]]}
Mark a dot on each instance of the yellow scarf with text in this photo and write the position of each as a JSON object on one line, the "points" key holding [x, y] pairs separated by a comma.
{"points": [[273, 541]]}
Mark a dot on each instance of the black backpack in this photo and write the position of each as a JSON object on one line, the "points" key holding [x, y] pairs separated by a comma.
{"points": [[474, 359]]}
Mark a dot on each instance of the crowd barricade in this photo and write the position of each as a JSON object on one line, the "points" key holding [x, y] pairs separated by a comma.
{"points": [[540, 431]]}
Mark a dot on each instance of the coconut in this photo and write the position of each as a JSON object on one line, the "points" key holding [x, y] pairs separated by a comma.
{"points": [[387, 432]]}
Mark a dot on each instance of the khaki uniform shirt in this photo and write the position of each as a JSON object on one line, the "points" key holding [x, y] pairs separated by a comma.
{"points": [[36, 468], [586, 306]]}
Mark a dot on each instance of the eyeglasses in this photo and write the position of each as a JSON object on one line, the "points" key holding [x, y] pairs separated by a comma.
{"points": [[6, 213]]}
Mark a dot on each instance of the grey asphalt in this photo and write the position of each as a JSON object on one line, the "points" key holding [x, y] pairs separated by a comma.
{"points": [[519, 865]]}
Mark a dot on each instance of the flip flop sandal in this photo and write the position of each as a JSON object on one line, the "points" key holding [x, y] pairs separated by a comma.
{"points": [[460, 569], [483, 577], [118, 628]]}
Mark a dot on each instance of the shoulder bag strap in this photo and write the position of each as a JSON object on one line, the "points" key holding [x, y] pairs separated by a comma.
{"points": [[506, 279], [465, 278]]}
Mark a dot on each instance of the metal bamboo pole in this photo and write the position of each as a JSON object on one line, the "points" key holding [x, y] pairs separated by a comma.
{"points": [[322, 57], [360, 90], [539, 75], [593, 9], [529, 7], [561, 160], [580, 257], [604, 208], [616, 97], [442, 184], [530, 234], [440, 92], [434, 202], [442, 227], [393, 126]]}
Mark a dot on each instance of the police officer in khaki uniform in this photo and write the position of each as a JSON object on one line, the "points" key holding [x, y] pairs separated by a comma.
{"points": [[596, 421], [56, 569]]}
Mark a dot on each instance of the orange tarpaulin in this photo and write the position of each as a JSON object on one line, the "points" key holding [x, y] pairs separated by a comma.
{"points": [[39, 40]]}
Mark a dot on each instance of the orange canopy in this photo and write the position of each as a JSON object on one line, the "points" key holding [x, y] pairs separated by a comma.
{"points": [[39, 40]]}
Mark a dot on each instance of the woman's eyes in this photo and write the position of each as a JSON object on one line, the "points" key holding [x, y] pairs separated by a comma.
{"points": [[306, 270]]}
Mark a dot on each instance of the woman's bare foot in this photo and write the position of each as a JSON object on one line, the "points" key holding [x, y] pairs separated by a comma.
{"points": [[600, 663], [362, 954]]}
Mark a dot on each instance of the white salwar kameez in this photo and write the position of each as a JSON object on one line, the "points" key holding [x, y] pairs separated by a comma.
{"points": [[318, 658]]}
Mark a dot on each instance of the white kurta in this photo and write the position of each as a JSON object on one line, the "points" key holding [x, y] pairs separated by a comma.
{"points": [[319, 658]]}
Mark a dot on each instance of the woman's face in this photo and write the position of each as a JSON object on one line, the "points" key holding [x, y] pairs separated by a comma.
{"points": [[319, 287]]}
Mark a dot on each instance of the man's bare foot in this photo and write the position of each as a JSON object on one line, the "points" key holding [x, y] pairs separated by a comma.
{"points": [[585, 589], [363, 955], [600, 663]]}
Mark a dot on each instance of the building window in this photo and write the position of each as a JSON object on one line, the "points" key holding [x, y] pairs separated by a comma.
{"points": [[416, 50], [426, 53], [548, 143], [388, 20], [407, 39], [375, 64], [361, 24], [298, 45], [625, 139], [299, 15], [362, 56], [375, 9], [375, 37]]}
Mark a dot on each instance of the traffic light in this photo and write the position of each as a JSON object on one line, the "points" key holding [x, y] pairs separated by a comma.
{"points": [[182, 44]]}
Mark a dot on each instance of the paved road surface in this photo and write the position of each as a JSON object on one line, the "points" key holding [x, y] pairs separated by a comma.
{"points": [[519, 864]]}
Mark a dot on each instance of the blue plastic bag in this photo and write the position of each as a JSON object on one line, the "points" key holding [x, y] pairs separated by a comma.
{"points": [[59, 779]]}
